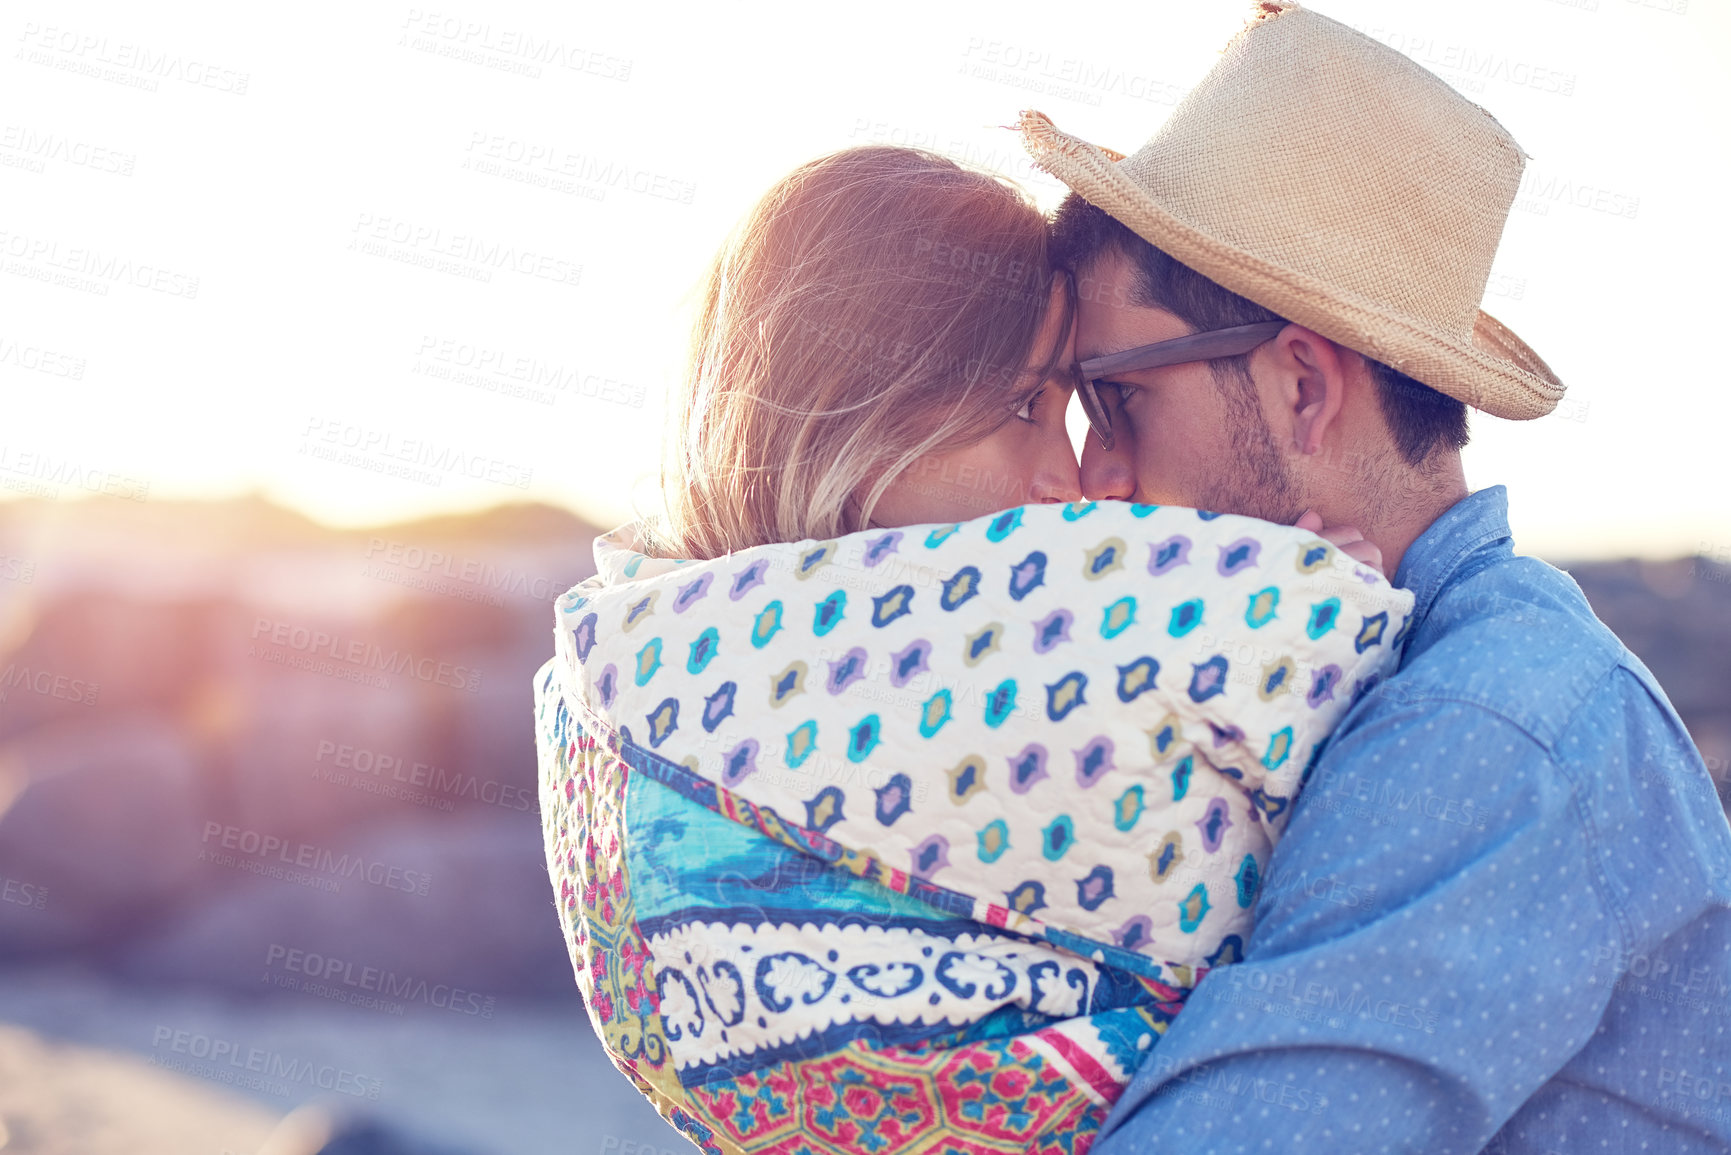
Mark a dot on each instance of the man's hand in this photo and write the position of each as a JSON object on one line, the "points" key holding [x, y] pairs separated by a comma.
{"points": [[1343, 537]]}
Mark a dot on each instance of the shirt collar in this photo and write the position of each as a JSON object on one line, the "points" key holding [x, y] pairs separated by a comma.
{"points": [[1477, 523]]}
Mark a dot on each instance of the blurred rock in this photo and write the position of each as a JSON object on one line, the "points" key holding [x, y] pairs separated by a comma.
{"points": [[484, 930], [58, 1099], [318, 1130], [100, 835], [189, 691], [1676, 617]]}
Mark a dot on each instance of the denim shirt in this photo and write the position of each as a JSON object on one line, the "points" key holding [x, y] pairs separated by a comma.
{"points": [[1500, 919]]}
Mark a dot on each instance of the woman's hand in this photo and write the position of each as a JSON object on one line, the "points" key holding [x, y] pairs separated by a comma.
{"points": [[1343, 537]]}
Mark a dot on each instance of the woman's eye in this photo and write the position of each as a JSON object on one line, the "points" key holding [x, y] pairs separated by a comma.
{"points": [[1030, 407]]}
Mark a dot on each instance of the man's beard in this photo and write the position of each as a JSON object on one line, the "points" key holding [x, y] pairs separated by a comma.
{"points": [[1255, 480]]}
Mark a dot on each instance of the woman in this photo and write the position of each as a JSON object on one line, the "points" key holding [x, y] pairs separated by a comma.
{"points": [[894, 797], [881, 343]]}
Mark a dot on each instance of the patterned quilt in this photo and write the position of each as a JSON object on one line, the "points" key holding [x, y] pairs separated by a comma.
{"points": [[915, 840]]}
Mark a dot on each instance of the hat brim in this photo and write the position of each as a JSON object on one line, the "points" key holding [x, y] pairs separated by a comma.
{"points": [[1495, 371]]}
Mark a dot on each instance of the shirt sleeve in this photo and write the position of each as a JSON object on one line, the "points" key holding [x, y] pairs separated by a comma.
{"points": [[1423, 958]]}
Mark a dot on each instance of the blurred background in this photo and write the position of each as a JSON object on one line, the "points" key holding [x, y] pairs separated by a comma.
{"points": [[332, 335]]}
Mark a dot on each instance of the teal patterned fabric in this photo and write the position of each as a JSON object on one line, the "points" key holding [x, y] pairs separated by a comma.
{"points": [[1009, 765]]}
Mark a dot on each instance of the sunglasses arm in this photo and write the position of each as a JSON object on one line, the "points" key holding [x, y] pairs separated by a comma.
{"points": [[1193, 347]]}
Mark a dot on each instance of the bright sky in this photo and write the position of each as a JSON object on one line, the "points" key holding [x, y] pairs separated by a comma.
{"points": [[327, 251]]}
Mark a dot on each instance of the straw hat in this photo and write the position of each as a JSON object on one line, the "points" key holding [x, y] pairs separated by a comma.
{"points": [[1327, 177]]}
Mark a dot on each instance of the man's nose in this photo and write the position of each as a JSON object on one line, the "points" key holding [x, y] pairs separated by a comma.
{"points": [[1108, 474]]}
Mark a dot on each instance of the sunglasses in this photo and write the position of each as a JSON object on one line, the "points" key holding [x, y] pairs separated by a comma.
{"points": [[1178, 351]]}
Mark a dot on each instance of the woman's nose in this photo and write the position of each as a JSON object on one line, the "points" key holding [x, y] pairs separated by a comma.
{"points": [[1057, 478]]}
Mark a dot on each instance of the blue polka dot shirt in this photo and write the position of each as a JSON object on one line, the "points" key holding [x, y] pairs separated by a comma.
{"points": [[1500, 919]]}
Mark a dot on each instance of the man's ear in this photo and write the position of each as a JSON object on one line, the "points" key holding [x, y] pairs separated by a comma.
{"points": [[1312, 372]]}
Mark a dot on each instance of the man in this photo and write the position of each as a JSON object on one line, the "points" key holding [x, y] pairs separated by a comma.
{"points": [[1500, 917]]}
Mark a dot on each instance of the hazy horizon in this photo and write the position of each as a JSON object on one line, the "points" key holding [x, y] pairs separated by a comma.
{"points": [[371, 316]]}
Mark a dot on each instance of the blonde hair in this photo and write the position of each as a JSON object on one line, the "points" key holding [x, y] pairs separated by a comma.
{"points": [[876, 305]]}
